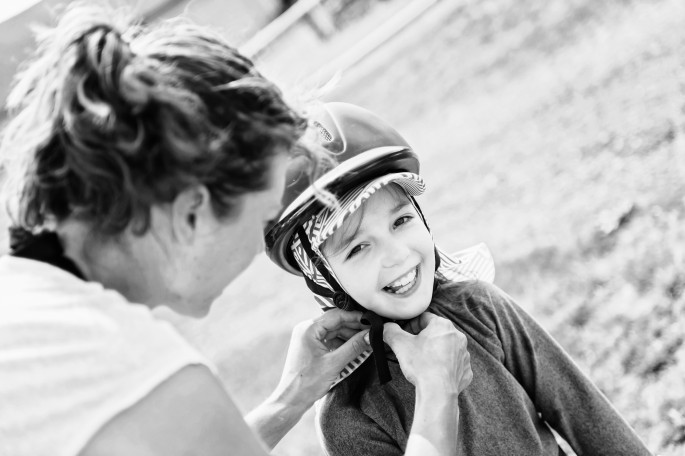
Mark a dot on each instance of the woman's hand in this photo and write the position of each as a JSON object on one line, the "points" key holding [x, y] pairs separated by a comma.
{"points": [[435, 354], [319, 349], [435, 360]]}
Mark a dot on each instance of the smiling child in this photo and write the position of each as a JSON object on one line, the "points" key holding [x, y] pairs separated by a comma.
{"points": [[373, 250]]}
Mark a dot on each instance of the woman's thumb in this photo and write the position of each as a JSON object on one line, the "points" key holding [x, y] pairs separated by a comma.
{"points": [[393, 334], [353, 347]]}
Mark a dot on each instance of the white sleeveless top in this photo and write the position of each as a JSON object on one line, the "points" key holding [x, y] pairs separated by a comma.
{"points": [[72, 356]]}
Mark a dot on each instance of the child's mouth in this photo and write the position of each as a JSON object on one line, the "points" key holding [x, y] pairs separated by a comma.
{"points": [[404, 283]]}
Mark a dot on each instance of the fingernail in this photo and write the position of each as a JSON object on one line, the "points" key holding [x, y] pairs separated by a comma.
{"points": [[366, 339]]}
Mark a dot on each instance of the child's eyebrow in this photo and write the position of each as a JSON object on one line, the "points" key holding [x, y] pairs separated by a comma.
{"points": [[347, 239], [399, 206], [337, 244]]}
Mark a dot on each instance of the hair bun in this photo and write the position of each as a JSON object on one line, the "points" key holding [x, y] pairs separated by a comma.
{"points": [[136, 85], [113, 118]]}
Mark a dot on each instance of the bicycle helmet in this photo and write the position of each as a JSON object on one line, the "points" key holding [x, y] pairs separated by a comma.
{"points": [[365, 147]]}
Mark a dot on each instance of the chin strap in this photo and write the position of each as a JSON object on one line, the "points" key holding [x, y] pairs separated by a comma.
{"points": [[344, 301], [377, 345]]}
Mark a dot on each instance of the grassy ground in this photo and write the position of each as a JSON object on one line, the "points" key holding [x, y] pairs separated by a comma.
{"points": [[552, 130]]}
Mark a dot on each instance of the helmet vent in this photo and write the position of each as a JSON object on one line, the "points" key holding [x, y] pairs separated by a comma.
{"points": [[323, 132]]}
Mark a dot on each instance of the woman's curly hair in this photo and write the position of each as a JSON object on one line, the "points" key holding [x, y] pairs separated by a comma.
{"points": [[111, 118]]}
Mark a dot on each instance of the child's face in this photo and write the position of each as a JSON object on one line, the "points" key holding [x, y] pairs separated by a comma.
{"points": [[384, 256]]}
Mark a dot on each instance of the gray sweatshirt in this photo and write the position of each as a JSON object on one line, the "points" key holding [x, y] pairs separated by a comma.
{"points": [[523, 384]]}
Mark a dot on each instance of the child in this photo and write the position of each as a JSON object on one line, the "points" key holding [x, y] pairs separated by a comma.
{"points": [[373, 250]]}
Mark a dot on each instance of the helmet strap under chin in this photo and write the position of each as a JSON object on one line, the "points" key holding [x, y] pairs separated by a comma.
{"points": [[376, 322]]}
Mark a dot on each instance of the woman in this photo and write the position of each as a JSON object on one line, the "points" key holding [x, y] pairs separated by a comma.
{"points": [[145, 164]]}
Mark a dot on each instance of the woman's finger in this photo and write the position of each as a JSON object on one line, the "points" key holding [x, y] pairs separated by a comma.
{"points": [[413, 326], [342, 333], [393, 335], [335, 319], [424, 320], [335, 343]]}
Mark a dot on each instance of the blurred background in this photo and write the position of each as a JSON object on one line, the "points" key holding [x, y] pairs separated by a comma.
{"points": [[552, 130]]}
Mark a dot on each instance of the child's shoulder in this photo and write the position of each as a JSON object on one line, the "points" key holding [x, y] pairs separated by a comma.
{"points": [[474, 295], [340, 418], [336, 407], [478, 307]]}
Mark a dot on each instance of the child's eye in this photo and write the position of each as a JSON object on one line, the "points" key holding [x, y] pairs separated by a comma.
{"points": [[402, 220], [355, 250]]}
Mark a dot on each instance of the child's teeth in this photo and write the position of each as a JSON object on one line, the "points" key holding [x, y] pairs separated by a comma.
{"points": [[400, 285], [403, 280]]}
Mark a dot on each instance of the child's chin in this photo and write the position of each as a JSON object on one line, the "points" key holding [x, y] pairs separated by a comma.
{"points": [[408, 314]]}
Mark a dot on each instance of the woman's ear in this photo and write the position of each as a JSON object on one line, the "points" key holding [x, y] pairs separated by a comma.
{"points": [[189, 212]]}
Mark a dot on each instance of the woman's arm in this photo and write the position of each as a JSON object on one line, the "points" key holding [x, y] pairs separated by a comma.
{"points": [[435, 427], [190, 413], [564, 396], [436, 361], [316, 355]]}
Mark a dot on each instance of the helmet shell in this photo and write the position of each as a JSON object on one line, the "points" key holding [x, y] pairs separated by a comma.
{"points": [[365, 147]]}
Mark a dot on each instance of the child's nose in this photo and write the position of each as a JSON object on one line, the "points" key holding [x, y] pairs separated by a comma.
{"points": [[395, 254]]}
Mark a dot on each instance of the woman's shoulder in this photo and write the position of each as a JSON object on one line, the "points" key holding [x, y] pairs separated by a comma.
{"points": [[74, 353], [79, 329], [43, 304], [192, 396]]}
